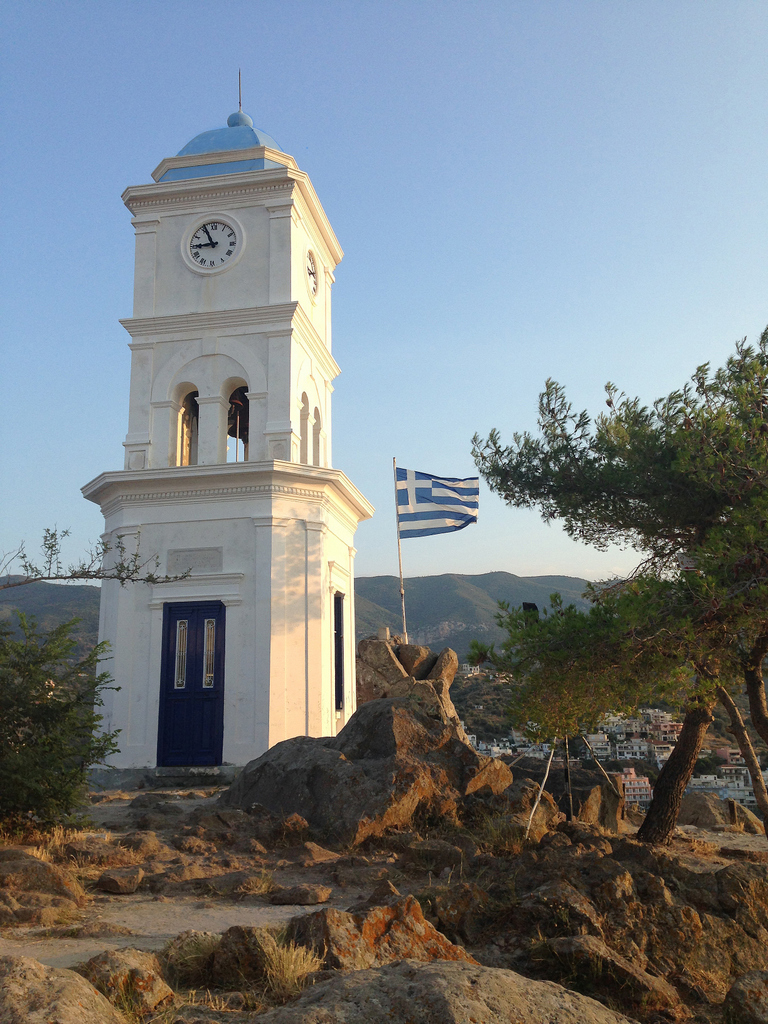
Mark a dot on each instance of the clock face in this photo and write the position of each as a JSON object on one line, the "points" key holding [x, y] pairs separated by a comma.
{"points": [[311, 273], [213, 245]]}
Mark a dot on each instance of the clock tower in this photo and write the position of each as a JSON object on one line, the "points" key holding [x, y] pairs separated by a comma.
{"points": [[228, 475]]}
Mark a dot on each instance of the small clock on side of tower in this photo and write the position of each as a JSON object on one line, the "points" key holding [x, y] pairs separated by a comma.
{"points": [[311, 273]]}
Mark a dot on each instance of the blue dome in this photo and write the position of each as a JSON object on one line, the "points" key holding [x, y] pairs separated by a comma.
{"points": [[239, 134]]}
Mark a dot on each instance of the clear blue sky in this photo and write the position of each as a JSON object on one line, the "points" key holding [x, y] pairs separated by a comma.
{"points": [[522, 189]]}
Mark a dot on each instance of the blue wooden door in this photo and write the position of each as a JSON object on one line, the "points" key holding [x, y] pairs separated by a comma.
{"points": [[191, 725]]}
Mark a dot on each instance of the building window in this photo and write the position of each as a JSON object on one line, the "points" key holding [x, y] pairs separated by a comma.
{"points": [[189, 418], [338, 649], [180, 676], [209, 649], [237, 426]]}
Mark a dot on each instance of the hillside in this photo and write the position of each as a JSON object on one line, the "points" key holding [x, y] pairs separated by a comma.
{"points": [[443, 611], [54, 603], [452, 609]]}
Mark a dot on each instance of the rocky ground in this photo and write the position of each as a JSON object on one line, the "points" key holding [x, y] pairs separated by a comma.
{"points": [[418, 900]]}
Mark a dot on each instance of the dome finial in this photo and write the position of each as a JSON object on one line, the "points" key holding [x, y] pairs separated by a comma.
{"points": [[240, 118]]}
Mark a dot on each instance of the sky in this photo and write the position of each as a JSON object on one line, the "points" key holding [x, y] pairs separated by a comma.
{"points": [[523, 190]]}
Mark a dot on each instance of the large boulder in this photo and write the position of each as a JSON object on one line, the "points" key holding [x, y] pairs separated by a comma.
{"points": [[33, 994], [708, 811], [373, 936], [440, 993], [392, 760], [594, 800], [387, 669], [747, 999], [586, 956], [33, 891], [128, 976]]}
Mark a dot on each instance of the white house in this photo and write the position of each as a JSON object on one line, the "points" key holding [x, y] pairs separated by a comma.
{"points": [[228, 472]]}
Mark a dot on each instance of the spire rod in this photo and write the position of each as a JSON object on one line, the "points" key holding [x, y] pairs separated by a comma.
{"points": [[239, 90]]}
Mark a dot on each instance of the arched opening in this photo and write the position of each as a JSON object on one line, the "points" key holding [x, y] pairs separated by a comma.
{"points": [[304, 430], [189, 418], [316, 427], [237, 426]]}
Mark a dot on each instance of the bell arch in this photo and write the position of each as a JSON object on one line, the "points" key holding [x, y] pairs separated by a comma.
{"points": [[235, 390]]}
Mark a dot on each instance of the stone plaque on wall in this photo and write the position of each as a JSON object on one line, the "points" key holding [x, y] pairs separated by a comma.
{"points": [[199, 560]]}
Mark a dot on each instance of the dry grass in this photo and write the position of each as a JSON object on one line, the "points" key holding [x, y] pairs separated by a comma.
{"points": [[285, 966], [499, 836], [257, 885], [188, 955]]}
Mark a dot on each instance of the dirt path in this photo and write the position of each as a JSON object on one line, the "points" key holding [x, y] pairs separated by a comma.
{"points": [[150, 919], [152, 923]]}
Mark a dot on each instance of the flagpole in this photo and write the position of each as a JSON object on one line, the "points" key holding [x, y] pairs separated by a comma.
{"points": [[399, 554]]}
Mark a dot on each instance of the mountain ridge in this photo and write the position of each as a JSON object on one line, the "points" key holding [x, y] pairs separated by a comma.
{"points": [[446, 610]]}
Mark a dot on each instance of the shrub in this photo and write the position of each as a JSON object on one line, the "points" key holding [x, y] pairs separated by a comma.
{"points": [[48, 714]]}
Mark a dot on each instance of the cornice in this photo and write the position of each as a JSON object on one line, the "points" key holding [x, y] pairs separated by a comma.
{"points": [[201, 193], [226, 156], [250, 316], [173, 485]]}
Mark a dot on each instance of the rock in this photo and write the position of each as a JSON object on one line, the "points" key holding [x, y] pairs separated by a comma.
{"points": [[391, 761], [708, 811], [369, 938], [747, 1000], [704, 810], [33, 994], [742, 816], [590, 957], [440, 993], [594, 801], [377, 668], [460, 911], [433, 854], [130, 976], [309, 854], [558, 902], [381, 673], [239, 956], [120, 880], [417, 661], [516, 803], [19, 870], [91, 850], [147, 845], [301, 895], [383, 894]]}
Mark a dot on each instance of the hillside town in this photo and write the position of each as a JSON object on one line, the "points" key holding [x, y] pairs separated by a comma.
{"points": [[648, 737]]}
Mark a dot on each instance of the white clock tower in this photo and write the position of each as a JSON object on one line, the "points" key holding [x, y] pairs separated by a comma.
{"points": [[228, 466]]}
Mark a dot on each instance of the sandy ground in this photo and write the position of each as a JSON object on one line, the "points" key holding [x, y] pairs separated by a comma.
{"points": [[153, 920]]}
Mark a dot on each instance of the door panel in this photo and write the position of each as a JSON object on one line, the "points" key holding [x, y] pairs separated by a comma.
{"points": [[190, 728]]}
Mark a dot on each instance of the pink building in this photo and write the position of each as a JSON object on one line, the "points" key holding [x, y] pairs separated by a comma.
{"points": [[637, 788]]}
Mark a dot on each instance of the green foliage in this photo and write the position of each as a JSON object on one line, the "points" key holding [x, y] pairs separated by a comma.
{"points": [[708, 764], [48, 714], [685, 482]]}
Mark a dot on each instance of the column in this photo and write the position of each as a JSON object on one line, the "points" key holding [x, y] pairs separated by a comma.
{"points": [[212, 430]]}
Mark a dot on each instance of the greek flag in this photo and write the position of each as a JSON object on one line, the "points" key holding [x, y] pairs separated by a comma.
{"points": [[429, 504]]}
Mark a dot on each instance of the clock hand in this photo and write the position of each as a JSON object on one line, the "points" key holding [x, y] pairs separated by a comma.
{"points": [[205, 229], [203, 245]]}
